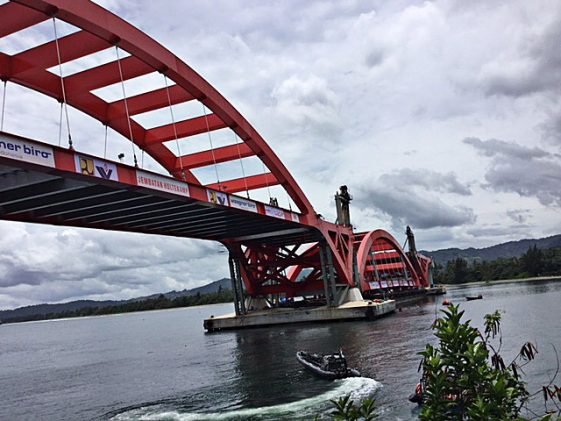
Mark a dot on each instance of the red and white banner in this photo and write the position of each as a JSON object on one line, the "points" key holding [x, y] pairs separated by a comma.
{"points": [[159, 182]]}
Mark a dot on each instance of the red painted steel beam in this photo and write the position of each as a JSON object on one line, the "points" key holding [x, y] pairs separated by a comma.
{"points": [[149, 101], [14, 18], [385, 266], [385, 255], [184, 128], [72, 47], [105, 75], [252, 182], [210, 157]]}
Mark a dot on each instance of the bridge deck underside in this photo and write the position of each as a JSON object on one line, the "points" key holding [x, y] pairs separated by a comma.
{"points": [[31, 194]]}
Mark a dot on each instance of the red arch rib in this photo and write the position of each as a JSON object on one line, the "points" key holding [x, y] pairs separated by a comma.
{"points": [[364, 249], [102, 29]]}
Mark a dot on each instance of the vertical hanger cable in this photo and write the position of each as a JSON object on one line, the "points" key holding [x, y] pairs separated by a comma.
{"points": [[211, 146], [3, 106], [126, 105], [175, 130], [62, 85], [241, 163], [105, 144]]}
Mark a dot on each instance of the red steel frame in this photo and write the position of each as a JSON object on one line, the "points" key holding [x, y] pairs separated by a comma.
{"points": [[265, 268]]}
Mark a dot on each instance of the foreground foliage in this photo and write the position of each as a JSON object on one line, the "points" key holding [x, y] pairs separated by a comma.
{"points": [[465, 377], [346, 410]]}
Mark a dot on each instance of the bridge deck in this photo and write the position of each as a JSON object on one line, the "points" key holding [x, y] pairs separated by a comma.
{"points": [[41, 183]]}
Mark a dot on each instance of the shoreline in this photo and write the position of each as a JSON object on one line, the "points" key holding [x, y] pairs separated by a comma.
{"points": [[507, 281]]}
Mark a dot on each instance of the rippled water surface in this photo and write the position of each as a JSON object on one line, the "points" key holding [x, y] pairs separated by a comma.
{"points": [[161, 365]]}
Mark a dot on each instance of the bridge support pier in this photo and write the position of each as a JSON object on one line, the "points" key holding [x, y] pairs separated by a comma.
{"points": [[237, 285], [328, 275]]}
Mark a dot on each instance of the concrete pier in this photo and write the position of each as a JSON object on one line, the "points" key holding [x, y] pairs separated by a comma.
{"points": [[352, 310]]}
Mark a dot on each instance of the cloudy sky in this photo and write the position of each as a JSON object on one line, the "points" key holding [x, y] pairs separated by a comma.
{"points": [[444, 115]]}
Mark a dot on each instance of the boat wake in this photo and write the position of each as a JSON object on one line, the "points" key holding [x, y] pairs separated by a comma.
{"points": [[357, 387]]}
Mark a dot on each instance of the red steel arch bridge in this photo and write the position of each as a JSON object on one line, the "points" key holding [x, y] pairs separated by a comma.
{"points": [[273, 251]]}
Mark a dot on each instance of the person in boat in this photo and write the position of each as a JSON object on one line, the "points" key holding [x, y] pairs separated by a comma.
{"points": [[418, 397], [335, 362]]}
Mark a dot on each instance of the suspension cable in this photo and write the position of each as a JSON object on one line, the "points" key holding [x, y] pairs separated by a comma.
{"points": [[288, 198], [211, 147], [174, 130], [3, 106], [62, 86], [105, 144], [60, 124], [126, 105], [266, 180], [241, 163]]}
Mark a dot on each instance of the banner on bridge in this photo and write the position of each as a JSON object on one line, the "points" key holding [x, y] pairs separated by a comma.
{"points": [[25, 150], [161, 183]]}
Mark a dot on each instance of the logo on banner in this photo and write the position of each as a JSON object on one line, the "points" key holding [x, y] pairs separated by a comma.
{"points": [[26, 151], [87, 166], [218, 198], [239, 203], [295, 217], [274, 212], [96, 168]]}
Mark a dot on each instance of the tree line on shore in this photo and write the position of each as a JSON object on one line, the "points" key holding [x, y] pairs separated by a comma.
{"points": [[158, 303], [535, 262]]}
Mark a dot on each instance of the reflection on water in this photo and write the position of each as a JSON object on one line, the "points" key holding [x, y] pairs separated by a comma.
{"points": [[161, 365]]}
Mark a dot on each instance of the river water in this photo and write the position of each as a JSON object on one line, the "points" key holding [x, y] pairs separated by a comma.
{"points": [[162, 366]]}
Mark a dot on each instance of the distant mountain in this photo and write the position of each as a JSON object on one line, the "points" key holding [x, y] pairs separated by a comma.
{"points": [[504, 250], [215, 286], [221, 284]]}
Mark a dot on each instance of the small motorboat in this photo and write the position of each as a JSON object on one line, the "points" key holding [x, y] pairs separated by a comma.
{"points": [[330, 366], [474, 297]]}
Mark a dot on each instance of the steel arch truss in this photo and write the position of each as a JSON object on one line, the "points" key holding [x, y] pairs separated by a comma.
{"points": [[99, 29], [268, 269], [264, 265], [382, 263]]}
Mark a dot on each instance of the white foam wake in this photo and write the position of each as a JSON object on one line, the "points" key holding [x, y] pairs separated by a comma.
{"points": [[357, 387]]}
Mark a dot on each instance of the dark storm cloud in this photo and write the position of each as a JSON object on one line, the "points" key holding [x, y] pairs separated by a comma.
{"points": [[375, 57], [493, 147], [409, 208], [530, 172], [408, 197], [498, 231], [48, 264], [551, 128], [430, 180], [12, 274], [535, 69], [518, 215]]}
